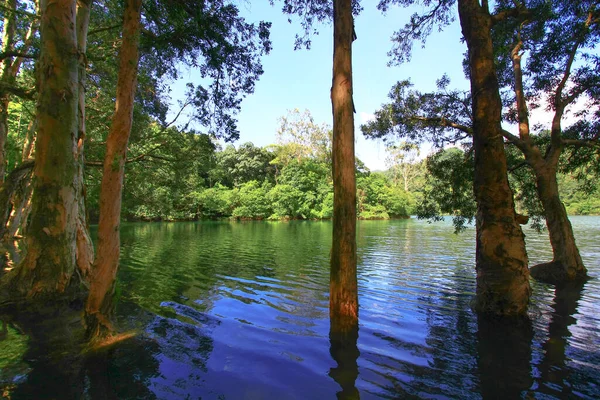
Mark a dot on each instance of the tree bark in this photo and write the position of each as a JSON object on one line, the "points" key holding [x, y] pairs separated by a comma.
{"points": [[85, 248], [49, 266], [98, 307], [567, 265], [343, 289], [8, 39], [501, 259], [8, 190]]}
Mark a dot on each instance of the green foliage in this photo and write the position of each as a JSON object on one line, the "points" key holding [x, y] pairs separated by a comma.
{"points": [[214, 202], [378, 199], [252, 201], [234, 167], [449, 188]]}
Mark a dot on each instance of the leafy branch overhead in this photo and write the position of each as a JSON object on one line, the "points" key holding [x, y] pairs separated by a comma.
{"points": [[212, 38]]}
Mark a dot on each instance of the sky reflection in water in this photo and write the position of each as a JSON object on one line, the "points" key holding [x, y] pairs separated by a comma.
{"points": [[240, 311]]}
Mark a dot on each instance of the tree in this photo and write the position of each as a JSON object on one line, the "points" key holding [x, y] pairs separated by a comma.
{"points": [[98, 305], [300, 137], [49, 266], [554, 36], [247, 163], [568, 29], [402, 163], [449, 188], [501, 259], [224, 47], [343, 292], [17, 38]]}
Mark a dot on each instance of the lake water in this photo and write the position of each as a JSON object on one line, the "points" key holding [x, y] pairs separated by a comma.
{"points": [[240, 311]]}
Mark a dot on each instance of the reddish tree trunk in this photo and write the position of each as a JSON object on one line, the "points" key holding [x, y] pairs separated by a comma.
{"points": [[501, 259], [98, 306], [343, 290]]}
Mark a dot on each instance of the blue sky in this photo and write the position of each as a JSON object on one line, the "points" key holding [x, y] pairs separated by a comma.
{"points": [[302, 79]]}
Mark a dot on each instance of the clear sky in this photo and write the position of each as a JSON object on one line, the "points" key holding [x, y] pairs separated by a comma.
{"points": [[302, 79]]}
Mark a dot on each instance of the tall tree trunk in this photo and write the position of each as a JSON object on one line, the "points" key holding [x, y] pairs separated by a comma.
{"points": [[49, 266], [343, 288], [8, 40], [501, 259], [85, 248], [567, 264], [98, 307]]}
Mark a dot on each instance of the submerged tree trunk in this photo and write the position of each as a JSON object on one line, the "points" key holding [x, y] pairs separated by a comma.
{"points": [[501, 259], [98, 307], [49, 266], [567, 264], [343, 289]]}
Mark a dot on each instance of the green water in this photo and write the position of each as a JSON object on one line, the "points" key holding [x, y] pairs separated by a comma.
{"points": [[240, 311]]}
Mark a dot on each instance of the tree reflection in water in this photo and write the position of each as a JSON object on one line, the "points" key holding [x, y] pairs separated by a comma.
{"points": [[553, 369], [504, 356], [344, 351], [127, 369]]}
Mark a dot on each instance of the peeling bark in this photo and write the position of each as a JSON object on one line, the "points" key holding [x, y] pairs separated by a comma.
{"points": [[98, 308], [343, 297], [49, 266], [501, 259]]}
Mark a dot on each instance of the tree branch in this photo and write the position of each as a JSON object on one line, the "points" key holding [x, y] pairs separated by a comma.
{"points": [[28, 94], [592, 143], [15, 53], [103, 29], [444, 122], [521, 144]]}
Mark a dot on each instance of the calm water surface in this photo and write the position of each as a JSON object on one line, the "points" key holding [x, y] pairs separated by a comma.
{"points": [[240, 311]]}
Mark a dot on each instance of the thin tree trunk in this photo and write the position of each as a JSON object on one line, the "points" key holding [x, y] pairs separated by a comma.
{"points": [[8, 39], [21, 199], [98, 307], [567, 264], [29, 144], [85, 248], [7, 193], [49, 266], [501, 259], [17, 223], [343, 289]]}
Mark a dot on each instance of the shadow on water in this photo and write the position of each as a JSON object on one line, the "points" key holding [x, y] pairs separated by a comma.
{"points": [[344, 350], [504, 356]]}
